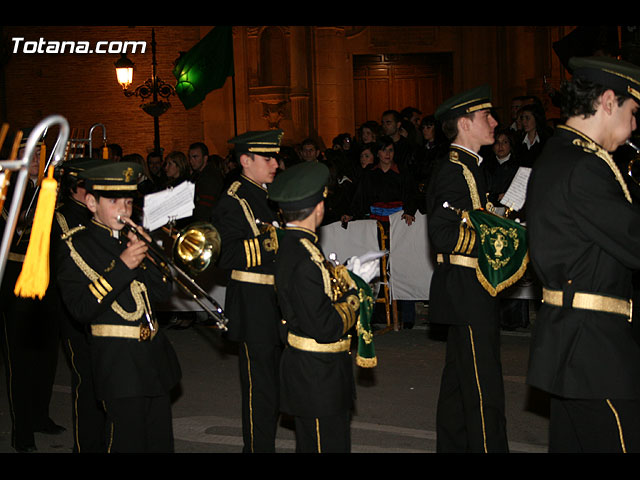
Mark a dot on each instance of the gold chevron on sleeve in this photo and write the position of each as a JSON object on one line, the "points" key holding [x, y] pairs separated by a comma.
{"points": [[348, 311]]}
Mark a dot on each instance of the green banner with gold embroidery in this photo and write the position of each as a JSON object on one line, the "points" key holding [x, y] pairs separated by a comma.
{"points": [[503, 253], [366, 354]]}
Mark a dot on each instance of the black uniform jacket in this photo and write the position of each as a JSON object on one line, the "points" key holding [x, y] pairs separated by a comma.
{"points": [[456, 296], [69, 214], [250, 303], [584, 236], [313, 383], [99, 289]]}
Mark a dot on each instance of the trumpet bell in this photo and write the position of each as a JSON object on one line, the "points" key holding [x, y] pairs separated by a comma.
{"points": [[197, 246]]}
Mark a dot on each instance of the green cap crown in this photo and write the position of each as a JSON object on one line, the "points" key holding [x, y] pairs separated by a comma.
{"points": [[300, 186]]}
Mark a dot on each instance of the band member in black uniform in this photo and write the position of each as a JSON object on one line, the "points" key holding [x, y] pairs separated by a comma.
{"points": [[87, 412], [107, 283], [244, 218], [320, 304], [31, 334], [470, 414], [584, 245]]}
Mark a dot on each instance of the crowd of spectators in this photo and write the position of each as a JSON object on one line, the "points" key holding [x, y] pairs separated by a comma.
{"points": [[383, 168]]}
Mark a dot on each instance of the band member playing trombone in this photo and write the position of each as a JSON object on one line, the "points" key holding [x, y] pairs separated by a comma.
{"points": [[243, 216], [470, 415], [584, 239], [107, 283]]}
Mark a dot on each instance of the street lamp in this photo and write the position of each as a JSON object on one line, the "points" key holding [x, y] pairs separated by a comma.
{"points": [[153, 88]]}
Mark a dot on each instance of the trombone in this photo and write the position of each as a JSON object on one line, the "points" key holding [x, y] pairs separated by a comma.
{"points": [[22, 167], [197, 246]]}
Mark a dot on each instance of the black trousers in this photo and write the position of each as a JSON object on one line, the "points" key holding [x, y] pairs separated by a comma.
{"points": [[259, 381], [331, 434], [594, 426], [471, 413], [87, 412], [31, 358], [139, 425]]}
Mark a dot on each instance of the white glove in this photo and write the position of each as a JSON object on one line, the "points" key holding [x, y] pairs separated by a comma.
{"points": [[367, 271]]}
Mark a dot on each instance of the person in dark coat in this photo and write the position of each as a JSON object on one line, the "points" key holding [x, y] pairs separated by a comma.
{"points": [[383, 189], [107, 284], [31, 336], [584, 247], [320, 305], [471, 412], [244, 218], [208, 180]]}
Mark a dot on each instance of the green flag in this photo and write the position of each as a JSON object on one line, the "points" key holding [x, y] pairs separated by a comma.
{"points": [[503, 254], [366, 354], [205, 67]]}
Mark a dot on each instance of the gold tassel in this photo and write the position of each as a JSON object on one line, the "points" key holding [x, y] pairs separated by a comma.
{"points": [[34, 277]]}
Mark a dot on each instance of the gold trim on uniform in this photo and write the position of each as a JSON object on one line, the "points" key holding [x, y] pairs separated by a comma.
{"points": [[590, 301], [460, 260], [138, 289], [590, 146], [252, 252], [348, 311], [310, 345], [232, 192], [251, 277], [623, 447], [471, 181], [137, 332], [318, 259]]}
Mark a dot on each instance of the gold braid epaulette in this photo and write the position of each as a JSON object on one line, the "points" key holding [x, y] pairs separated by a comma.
{"points": [[232, 192], [99, 287], [468, 176], [590, 146], [337, 282]]}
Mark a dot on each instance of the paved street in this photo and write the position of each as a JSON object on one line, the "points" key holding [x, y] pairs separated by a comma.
{"points": [[395, 405]]}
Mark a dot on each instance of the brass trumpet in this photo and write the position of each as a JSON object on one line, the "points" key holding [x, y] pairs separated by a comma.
{"points": [[196, 246]]}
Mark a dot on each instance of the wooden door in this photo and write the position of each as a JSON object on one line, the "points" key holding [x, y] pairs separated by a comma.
{"points": [[384, 82]]}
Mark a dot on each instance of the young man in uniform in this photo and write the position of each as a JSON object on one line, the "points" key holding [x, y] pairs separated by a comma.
{"points": [[320, 305], [470, 415], [584, 239], [107, 283], [244, 218]]}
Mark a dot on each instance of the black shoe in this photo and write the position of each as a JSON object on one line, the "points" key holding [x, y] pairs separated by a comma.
{"points": [[25, 448], [407, 326], [51, 428]]}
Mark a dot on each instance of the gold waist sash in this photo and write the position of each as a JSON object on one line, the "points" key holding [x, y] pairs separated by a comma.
{"points": [[310, 345], [251, 277], [138, 332], [590, 301], [460, 260]]}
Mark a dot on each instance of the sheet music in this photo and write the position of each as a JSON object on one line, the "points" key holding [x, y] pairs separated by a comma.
{"points": [[516, 194], [170, 204]]}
